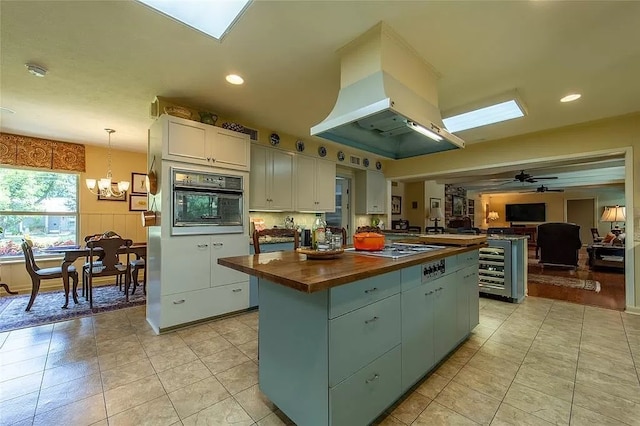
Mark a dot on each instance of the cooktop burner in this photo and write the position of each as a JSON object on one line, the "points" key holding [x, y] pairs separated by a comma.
{"points": [[397, 250]]}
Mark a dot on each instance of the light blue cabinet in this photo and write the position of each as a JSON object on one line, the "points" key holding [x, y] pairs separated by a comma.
{"points": [[253, 281], [445, 336]]}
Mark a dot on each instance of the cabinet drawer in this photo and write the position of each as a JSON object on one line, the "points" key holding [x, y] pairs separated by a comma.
{"points": [[359, 337], [190, 257], [352, 296], [225, 246], [190, 306], [468, 259], [365, 395]]}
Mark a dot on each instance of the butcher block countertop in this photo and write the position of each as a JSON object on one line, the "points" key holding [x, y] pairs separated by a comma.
{"points": [[294, 270]]}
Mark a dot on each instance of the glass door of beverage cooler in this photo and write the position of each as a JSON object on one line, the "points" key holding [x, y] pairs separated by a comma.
{"points": [[493, 270]]}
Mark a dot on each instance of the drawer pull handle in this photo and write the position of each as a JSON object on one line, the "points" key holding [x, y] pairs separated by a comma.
{"points": [[375, 377], [371, 320], [428, 293], [371, 290], [235, 290], [203, 245], [218, 244], [178, 302]]}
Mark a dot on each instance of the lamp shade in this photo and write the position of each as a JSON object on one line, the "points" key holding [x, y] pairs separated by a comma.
{"points": [[614, 214], [493, 215], [436, 213]]}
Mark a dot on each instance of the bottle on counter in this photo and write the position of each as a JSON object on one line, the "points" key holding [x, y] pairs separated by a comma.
{"points": [[318, 232]]}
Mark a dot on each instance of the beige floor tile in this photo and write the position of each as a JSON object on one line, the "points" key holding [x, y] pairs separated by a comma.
{"points": [[126, 374], [410, 408], [553, 339], [157, 412], [468, 402], [605, 350], [210, 346], [227, 325], [22, 368], [122, 344], [500, 350], [32, 331], [197, 396], [197, 334], [450, 367], [240, 377], [551, 366], [69, 342], [20, 386], [154, 345], [250, 320], [17, 409], [512, 339], [241, 336], [84, 323], [555, 386], [68, 392], [582, 417], [226, 412], [436, 414], [618, 368], [482, 381], [23, 354], [111, 333], [58, 359], [83, 412], [113, 360], [250, 349], [463, 353], [71, 371], [489, 322], [627, 388], [432, 386], [539, 404], [255, 403], [21, 341], [388, 420], [491, 364], [170, 359], [511, 416], [224, 360], [132, 394], [606, 404], [277, 418], [183, 375], [483, 331], [612, 343], [561, 353]]}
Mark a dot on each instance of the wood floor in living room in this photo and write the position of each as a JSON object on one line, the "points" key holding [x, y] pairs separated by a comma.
{"points": [[612, 286]]}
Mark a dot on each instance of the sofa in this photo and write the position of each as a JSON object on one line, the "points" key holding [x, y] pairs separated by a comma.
{"points": [[558, 244]]}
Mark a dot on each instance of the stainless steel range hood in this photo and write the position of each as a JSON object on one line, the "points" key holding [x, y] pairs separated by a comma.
{"points": [[388, 100]]}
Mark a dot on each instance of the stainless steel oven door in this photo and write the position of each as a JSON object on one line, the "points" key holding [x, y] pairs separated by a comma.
{"points": [[206, 211]]}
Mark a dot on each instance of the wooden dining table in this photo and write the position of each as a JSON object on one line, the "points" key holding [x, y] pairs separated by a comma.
{"points": [[71, 254]]}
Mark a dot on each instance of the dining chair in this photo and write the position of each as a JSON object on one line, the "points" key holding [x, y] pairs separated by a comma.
{"points": [[37, 274], [275, 233], [136, 266], [119, 278], [107, 250], [337, 230]]}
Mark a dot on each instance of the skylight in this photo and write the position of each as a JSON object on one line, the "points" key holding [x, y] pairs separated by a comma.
{"points": [[212, 17], [483, 116]]}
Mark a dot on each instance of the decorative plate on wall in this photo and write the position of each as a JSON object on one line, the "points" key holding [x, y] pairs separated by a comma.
{"points": [[274, 139], [365, 162], [340, 156], [300, 145], [322, 151], [378, 165]]}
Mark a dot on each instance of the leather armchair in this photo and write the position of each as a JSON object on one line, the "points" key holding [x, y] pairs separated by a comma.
{"points": [[558, 244]]}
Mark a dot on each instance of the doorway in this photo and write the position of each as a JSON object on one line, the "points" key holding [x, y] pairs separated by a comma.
{"points": [[582, 212], [341, 218]]}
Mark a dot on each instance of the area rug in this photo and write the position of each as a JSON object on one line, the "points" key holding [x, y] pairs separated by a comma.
{"points": [[565, 282], [47, 306]]}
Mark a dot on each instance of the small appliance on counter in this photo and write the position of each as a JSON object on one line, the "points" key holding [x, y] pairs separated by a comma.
{"points": [[400, 225]]}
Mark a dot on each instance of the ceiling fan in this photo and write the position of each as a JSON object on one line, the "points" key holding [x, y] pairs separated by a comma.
{"points": [[526, 177], [543, 188]]}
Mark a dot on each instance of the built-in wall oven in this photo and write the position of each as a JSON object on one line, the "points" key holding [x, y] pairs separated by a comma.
{"points": [[205, 203]]}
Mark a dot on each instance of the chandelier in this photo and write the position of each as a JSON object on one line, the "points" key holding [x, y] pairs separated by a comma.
{"points": [[105, 188]]}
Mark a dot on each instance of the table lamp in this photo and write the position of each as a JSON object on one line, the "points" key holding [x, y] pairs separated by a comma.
{"points": [[435, 214], [492, 215], [612, 215]]}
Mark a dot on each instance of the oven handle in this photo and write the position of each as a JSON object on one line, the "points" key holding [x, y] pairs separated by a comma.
{"points": [[203, 217], [207, 189]]}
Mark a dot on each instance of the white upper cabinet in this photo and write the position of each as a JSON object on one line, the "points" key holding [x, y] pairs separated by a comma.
{"points": [[271, 179], [315, 184], [371, 192], [197, 143]]}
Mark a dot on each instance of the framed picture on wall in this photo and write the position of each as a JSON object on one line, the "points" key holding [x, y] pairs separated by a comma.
{"points": [[434, 203], [138, 203], [114, 188], [138, 183], [457, 204], [396, 204]]}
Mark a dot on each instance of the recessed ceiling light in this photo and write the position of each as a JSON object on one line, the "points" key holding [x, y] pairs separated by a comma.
{"points": [[234, 79], [572, 97], [502, 111], [36, 70]]}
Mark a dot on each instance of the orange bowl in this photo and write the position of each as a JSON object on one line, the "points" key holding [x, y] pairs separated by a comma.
{"points": [[368, 241]]}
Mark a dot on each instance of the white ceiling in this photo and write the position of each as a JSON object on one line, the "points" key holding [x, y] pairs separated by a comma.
{"points": [[107, 60]]}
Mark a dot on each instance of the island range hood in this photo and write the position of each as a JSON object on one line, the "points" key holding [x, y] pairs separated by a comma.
{"points": [[388, 100]]}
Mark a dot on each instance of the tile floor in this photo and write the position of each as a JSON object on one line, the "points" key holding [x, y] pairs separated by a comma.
{"points": [[538, 363]]}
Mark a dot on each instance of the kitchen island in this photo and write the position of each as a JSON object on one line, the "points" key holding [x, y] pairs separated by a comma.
{"points": [[341, 339]]}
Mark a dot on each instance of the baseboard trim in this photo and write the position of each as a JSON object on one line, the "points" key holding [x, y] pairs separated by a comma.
{"points": [[632, 310]]}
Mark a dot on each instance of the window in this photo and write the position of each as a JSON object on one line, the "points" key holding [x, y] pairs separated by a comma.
{"points": [[42, 206]]}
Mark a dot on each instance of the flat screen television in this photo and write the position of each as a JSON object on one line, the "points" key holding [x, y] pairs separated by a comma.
{"points": [[533, 212]]}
